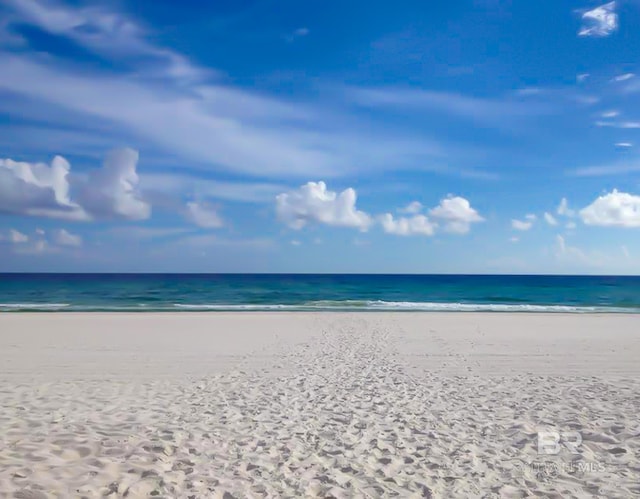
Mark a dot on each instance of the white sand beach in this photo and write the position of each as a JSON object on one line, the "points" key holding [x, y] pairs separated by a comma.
{"points": [[319, 405]]}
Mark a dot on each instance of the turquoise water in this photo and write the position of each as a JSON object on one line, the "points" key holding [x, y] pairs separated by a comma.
{"points": [[207, 292]]}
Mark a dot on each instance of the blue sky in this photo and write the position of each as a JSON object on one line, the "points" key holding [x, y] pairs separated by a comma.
{"points": [[278, 136]]}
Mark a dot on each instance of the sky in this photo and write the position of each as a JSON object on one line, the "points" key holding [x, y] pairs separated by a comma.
{"points": [[282, 136]]}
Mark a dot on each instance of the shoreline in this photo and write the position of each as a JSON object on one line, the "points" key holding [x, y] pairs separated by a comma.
{"points": [[445, 308]]}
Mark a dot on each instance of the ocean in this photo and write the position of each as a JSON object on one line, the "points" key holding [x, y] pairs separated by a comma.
{"points": [[303, 292]]}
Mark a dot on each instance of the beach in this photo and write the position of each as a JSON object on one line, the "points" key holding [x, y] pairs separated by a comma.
{"points": [[319, 404]]}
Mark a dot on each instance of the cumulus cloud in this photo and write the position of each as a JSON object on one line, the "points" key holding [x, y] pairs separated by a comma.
{"points": [[313, 203], [17, 237], [563, 249], [40, 241], [203, 215], [564, 210], [13, 236], [521, 224], [550, 219], [62, 237], [112, 191], [599, 22], [454, 213], [412, 208], [38, 189], [525, 224], [615, 209], [457, 214], [403, 226]]}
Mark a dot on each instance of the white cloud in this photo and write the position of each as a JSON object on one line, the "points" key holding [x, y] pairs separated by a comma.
{"points": [[457, 214], [207, 124], [41, 242], [13, 236], [619, 124], [412, 208], [313, 203], [17, 237], [403, 226], [624, 145], [615, 209], [103, 31], [610, 114], [570, 253], [35, 248], [62, 237], [203, 215], [564, 210], [573, 257], [37, 189], [605, 170], [193, 116], [514, 239], [570, 225], [601, 21], [582, 77], [521, 224], [295, 242], [550, 219], [525, 224], [623, 77], [112, 191]]}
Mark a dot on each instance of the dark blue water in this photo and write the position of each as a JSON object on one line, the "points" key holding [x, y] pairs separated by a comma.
{"points": [[199, 292]]}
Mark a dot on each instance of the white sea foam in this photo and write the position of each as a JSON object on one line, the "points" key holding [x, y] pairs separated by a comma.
{"points": [[320, 305], [409, 306], [248, 306], [33, 306]]}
